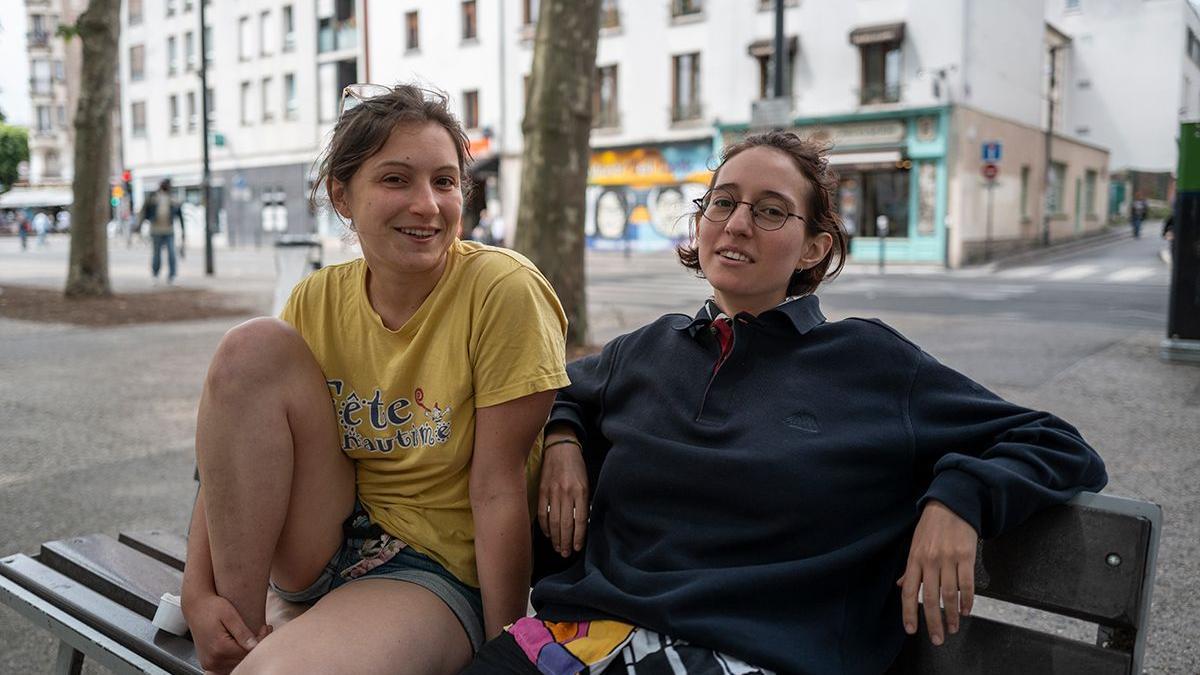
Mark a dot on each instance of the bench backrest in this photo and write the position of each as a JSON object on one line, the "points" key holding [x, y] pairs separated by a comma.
{"points": [[1091, 559]]}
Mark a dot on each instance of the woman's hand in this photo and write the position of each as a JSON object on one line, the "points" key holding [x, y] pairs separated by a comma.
{"points": [[222, 639], [563, 493], [942, 562]]}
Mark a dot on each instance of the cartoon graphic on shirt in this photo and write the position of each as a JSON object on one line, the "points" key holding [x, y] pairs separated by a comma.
{"points": [[371, 425]]}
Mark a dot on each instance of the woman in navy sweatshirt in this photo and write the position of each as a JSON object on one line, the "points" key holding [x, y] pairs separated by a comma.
{"points": [[774, 491]]}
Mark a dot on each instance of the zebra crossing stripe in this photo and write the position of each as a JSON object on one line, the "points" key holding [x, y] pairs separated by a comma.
{"points": [[1023, 272], [1131, 274], [1074, 272]]}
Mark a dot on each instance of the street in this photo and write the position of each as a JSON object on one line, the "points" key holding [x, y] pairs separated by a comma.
{"points": [[96, 425]]}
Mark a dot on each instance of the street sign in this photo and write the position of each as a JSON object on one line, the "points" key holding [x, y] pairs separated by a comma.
{"points": [[990, 171], [990, 151]]}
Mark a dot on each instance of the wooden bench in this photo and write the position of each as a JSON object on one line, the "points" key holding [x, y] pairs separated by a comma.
{"points": [[1092, 559]]}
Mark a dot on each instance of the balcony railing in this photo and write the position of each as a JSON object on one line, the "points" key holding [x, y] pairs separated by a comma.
{"points": [[879, 93], [685, 111], [608, 119], [335, 36], [37, 39], [41, 86]]}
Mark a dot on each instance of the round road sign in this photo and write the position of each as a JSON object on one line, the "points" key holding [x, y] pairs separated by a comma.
{"points": [[990, 171]]}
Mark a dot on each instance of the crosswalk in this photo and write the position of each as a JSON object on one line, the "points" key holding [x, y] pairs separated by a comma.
{"points": [[1088, 273]]}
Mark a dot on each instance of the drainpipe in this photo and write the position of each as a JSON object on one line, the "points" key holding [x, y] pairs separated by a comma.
{"points": [[1049, 141]]}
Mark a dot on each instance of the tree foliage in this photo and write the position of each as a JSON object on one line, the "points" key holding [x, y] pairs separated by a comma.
{"points": [[556, 154], [14, 149]]}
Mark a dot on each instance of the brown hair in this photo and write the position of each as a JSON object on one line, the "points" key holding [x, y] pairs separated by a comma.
{"points": [[362, 130], [810, 158]]}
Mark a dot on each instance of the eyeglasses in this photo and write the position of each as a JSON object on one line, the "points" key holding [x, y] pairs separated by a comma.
{"points": [[354, 94], [768, 213]]}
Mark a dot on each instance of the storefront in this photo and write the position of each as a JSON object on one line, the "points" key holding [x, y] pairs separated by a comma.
{"points": [[892, 179], [638, 198]]}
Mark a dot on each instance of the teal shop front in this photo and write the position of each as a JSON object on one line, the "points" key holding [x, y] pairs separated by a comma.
{"points": [[891, 170]]}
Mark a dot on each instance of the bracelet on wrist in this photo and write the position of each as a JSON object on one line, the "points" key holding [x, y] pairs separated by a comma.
{"points": [[561, 441]]}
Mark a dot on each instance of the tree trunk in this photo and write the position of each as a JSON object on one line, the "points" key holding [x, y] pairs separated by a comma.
{"points": [[99, 28], [554, 167]]}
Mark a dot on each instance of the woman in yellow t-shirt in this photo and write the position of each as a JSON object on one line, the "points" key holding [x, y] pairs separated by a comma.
{"points": [[379, 432]]}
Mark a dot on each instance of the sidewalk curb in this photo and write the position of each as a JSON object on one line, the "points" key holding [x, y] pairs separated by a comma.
{"points": [[1055, 250]]}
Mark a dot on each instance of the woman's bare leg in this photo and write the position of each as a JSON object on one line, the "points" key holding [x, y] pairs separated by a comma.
{"points": [[277, 487], [366, 627]]}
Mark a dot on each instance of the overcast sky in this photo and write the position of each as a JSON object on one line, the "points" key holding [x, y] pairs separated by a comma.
{"points": [[14, 63]]}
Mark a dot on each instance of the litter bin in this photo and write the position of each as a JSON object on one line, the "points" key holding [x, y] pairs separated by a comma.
{"points": [[296, 256]]}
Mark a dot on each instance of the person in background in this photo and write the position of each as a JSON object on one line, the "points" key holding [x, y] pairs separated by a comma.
{"points": [[1137, 214], [41, 225], [367, 452], [162, 212], [772, 491]]}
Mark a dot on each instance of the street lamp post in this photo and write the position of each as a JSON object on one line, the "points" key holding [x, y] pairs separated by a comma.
{"points": [[206, 181], [1049, 185]]}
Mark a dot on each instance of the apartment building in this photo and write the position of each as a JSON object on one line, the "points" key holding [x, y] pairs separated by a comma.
{"points": [[1134, 77], [275, 71], [53, 90], [906, 93]]}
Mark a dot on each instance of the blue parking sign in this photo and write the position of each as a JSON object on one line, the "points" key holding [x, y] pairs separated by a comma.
{"points": [[991, 151]]}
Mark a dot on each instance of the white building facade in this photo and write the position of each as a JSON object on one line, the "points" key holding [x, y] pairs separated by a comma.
{"points": [[276, 69], [53, 90], [1134, 76], [907, 93]]}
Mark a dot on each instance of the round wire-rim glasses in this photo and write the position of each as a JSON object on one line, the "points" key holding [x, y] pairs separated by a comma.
{"points": [[768, 213]]}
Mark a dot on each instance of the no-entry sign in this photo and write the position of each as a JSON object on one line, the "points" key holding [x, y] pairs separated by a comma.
{"points": [[990, 171]]}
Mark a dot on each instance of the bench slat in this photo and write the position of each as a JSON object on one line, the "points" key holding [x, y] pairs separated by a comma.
{"points": [[165, 547], [1059, 561], [114, 570], [124, 626], [985, 647]]}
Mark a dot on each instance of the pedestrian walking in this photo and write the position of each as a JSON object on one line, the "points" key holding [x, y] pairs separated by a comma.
{"points": [[367, 452], [772, 489], [41, 226], [162, 212], [23, 230], [1137, 214]]}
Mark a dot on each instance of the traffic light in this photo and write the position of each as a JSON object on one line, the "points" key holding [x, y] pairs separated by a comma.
{"points": [[117, 193]]}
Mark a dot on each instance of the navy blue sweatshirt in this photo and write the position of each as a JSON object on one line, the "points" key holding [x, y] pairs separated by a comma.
{"points": [[765, 511]]}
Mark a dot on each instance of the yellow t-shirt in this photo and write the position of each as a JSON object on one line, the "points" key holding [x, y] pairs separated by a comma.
{"points": [[491, 331]]}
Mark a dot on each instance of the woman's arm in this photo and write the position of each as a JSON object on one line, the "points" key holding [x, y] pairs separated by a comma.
{"points": [[504, 433]]}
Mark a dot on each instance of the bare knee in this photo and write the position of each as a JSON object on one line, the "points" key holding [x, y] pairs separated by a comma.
{"points": [[254, 354]]}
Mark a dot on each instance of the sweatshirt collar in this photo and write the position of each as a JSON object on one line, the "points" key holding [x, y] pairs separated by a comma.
{"points": [[802, 314]]}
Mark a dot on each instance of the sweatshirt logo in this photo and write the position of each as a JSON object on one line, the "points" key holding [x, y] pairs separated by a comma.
{"points": [[803, 421], [376, 425]]}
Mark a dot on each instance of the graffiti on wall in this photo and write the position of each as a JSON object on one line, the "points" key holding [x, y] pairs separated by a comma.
{"points": [[639, 198]]}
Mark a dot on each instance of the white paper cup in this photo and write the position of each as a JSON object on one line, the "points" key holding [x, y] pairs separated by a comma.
{"points": [[169, 616]]}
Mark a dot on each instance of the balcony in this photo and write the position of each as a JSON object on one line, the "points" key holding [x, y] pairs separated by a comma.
{"points": [[686, 111], [38, 39], [41, 86], [873, 93], [336, 35]]}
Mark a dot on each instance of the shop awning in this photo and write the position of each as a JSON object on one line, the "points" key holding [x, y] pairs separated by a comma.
{"points": [[765, 47], [36, 197], [881, 33]]}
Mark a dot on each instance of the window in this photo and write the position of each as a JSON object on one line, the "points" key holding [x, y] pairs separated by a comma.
{"points": [[53, 164], [1054, 195], [245, 102], [686, 7], [685, 87], [210, 105], [610, 14], [39, 82], [1089, 193], [291, 109], [60, 71], [471, 109], [134, 7], [172, 64], [412, 31], [770, 4], [61, 113], [137, 63], [1024, 191], [468, 20], [137, 114], [45, 124], [1072, 5], [189, 51], [763, 51], [265, 34], [173, 106], [191, 108], [529, 12], [187, 5], [605, 112], [1193, 47], [208, 45], [244, 38], [170, 7], [265, 93], [289, 28], [880, 73], [864, 196]]}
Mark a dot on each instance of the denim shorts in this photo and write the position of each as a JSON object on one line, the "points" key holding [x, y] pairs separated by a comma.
{"points": [[367, 552]]}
